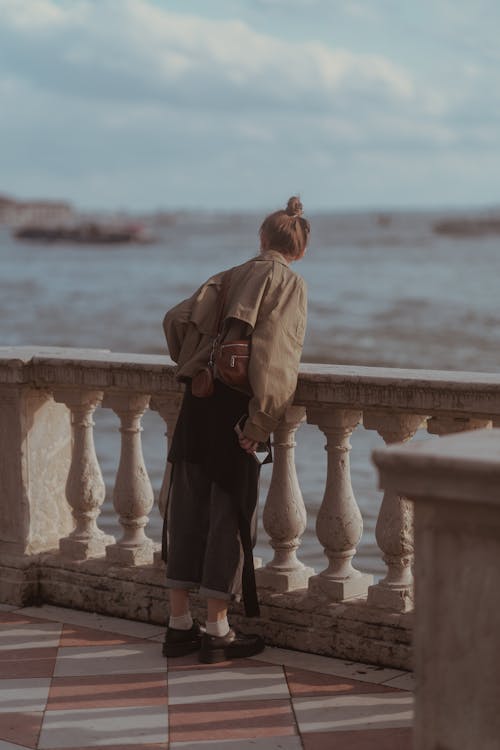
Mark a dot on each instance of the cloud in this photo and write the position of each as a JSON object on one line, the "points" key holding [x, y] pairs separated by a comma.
{"points": [[34, 16], [130, 49], [113, 98]]}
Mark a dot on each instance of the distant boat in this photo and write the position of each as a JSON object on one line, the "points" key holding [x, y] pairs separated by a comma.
{"points": [[85, 233], [473, 227], [384, 220]]}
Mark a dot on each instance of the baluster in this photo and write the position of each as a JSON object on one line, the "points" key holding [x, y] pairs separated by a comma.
{"points": [[85, 490], [133, 495], [284, 516], [446, 425], [168, 407], [339, 524], [394, 529]]}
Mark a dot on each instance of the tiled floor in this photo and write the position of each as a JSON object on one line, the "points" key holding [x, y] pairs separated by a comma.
{"points": [[75, 680]]}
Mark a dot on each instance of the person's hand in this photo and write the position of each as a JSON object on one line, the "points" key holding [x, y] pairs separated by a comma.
{"points": [[250, 446]]}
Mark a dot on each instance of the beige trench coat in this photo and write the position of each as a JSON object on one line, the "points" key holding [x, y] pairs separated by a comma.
{"points": [[267, 301]]}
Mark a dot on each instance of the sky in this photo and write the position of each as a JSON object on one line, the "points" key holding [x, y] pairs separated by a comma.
{"points": [[237, 104]]}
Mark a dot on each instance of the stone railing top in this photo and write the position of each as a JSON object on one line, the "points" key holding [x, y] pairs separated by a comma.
{"points": [[463, 467], [62, 356], [397, 375], [425, 392], [45, 367]]}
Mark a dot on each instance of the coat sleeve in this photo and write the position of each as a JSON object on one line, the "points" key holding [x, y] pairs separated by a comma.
{"points": [[276, 349], [175, 324]]}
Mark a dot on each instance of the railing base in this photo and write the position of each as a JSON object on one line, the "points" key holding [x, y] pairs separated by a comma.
{"points": [[19, 580], [118, 554], [281, 581], [348, 630], [395, 598], [339, 590], [82, 549]]}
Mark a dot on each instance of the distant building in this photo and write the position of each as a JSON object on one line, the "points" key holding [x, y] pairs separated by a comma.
{"points": [[16, 213]]}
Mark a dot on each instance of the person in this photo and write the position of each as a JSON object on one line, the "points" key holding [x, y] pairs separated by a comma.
{"points": [[210, 520]]}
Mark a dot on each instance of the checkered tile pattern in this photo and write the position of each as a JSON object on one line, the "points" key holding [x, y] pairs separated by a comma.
{"points": [[74, 681]]}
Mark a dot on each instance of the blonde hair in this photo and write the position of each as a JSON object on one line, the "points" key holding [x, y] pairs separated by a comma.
{"points": [[286, 230]]}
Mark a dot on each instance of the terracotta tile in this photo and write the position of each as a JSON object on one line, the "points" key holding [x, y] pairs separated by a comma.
{"points": [[404, 682], [11, 746], [329, 665], [106, 691], [191, 662], [278, 742], [231, 684], [21, 728], [95, 621], [369, 739], [354, 711], [17, 618], [302, 682], [128, 658], [231, 720], [17, 636], [104, 727], [24, 695], [31, 662], [160, 746], [74, 635]]}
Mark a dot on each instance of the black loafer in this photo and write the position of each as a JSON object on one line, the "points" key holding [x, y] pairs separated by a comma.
{"points": [[230, 646], [182, 642]]}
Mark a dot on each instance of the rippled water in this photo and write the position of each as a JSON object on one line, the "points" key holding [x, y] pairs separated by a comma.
{"points": [[380, 295]]}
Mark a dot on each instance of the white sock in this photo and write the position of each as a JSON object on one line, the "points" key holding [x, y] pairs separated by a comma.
{"points": [[218, 628], [183, 622]]}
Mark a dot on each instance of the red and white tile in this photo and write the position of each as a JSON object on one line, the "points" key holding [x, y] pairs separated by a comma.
{"points": [[74, 681]]}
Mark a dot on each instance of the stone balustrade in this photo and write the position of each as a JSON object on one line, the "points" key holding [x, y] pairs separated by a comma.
{"points": [[51, 492]]}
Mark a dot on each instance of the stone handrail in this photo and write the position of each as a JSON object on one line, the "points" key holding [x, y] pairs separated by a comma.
{"points": [[51, 487]]}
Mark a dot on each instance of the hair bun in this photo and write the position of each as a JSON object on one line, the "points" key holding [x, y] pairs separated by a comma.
{"points": [[294, 207]]}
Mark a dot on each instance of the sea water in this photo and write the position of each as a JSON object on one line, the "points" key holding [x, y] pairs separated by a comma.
{"points": [[382, 291]]}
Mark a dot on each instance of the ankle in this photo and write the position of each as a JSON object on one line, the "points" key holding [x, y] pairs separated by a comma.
{"points": [[219, 628], [182, 622]]}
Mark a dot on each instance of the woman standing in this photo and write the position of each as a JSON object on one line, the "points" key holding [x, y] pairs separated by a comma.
{"points": [[209, 528]]}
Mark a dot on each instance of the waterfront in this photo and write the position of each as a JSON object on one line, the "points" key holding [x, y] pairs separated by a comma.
{"points": [[394, 294]]}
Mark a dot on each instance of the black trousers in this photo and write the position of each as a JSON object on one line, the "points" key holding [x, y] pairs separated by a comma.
{"points": [[212, 499], [204, 546]]}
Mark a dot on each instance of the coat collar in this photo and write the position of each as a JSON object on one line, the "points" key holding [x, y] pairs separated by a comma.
{"points": [[272, 255]]}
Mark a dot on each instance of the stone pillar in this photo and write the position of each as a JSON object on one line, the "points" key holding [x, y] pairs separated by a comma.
{"points": [[35, 450], [133, 495], [85, 490], [339, 525], [284, 517], [394, 530], [454, 485]]}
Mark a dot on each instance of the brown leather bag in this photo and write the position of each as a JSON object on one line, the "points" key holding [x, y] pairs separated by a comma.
{"points": [[228, 361], [231, 363]]}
